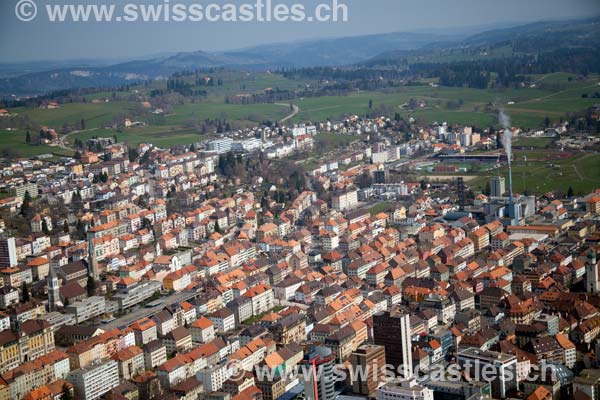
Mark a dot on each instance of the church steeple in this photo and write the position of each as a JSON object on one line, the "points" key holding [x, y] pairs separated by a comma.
{"points": [[53, 289], [93, 263]]}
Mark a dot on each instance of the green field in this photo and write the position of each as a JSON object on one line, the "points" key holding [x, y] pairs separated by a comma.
{"points": [[158, 135], [13, 143], [553, 97], [537, 170], [94, 115], [536, 175], [535, 142], [241, 113], [382, 207]]}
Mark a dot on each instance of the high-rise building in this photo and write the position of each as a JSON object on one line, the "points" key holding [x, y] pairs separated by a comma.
{"points": [[8, 252], [318, 365], [499, 369], [498, 186], [392, 331], [96, 379], [369, 358]]}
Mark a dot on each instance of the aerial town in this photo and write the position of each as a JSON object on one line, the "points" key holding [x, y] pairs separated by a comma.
{"points": [[150, 273]]}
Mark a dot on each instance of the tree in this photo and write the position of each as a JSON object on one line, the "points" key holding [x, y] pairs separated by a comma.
{"points": [[45, 227], [80, 229], [364, 180], [82, 123], [488, 189], [66, 227], [423, 184], [146, 223], [264, 203], [77, 155], [24, 292], [91, 286], [26, 209], [66, 392], [370, 104], [570, 192], [28, 137], [546, 122], [132, 154]]}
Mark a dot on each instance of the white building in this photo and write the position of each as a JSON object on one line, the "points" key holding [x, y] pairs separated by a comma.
{"points": [[8, 252], [222, 145], [93, 381], [87, 309], [223, 320], [246, 144], [345, 200], [407, 389], [136, 294], [497, 368], [213, 377]]}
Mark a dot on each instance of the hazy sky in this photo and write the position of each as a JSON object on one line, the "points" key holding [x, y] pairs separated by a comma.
{"points": [[40, 39]]}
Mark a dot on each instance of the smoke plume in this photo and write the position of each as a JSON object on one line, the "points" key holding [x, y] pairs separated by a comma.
{"points": [[507, 136]]}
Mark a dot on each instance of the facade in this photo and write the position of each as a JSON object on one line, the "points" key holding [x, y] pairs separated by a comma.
{"points": [[498, 186], [87, 309], [321, 382], [223, 320], [35, 339], [392, 330], [136, 294], [145, 331], [262, 298], [221, 146], [345, 200], [503, 369], [131, 362], [370, 358], [92, 382], [8, 252], [407, 389], [202, 330]]}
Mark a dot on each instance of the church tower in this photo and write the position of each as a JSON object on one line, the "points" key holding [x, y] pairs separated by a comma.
{"points": [[592, 279], [53, 290], [93, 263]]}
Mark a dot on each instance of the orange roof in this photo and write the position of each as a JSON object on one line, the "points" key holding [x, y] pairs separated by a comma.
{"points": [[541, 393], [202, 323], [41, 393], [273, 360], [36, 262], [127, 353], [127, 281], [256, 290], [143, 324], [564, 341]]}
